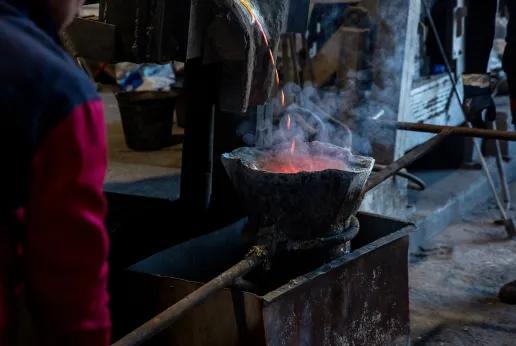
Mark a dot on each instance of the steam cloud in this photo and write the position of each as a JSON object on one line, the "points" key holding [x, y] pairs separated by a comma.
{"points": [[346, 116]]}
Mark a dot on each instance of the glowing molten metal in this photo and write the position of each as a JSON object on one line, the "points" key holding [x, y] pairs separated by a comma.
{"points": [[291, 164]]}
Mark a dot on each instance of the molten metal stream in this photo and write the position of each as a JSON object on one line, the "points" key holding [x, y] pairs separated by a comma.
{"points": [[255, 20]]}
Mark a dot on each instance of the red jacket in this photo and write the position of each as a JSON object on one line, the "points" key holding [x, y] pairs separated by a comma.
{"points": [[53, 242]]}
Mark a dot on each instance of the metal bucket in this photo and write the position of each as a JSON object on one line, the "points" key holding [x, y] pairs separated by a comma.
{"points": [[147, 119], [305, 205]]}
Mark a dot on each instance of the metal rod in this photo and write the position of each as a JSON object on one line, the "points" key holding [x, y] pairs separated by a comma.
{"points": [[406, 160], [455, 131], [501, 171], [162, 321], [509, 222]]}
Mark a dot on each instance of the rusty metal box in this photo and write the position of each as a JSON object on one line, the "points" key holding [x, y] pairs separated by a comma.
{"points": [[359, 299]]}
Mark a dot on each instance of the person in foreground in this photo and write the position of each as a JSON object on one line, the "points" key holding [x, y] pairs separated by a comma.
{"points": [[53, 242]]}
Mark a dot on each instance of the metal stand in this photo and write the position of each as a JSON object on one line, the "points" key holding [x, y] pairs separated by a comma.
{"points": [[159, 323]]}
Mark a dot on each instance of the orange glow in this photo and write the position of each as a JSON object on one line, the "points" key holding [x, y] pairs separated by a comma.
{"points": [[272, 57], [282, 97], [255, 20], [277, 77], [287, 163], [289, 122], [249, 9]]}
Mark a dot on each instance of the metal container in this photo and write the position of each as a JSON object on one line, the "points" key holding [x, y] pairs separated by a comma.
{"points": [[304, 205], [147, 119], [361, 298]]}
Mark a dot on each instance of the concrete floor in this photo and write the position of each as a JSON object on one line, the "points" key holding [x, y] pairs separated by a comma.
{"points": [[455, 281], [150, 174]]}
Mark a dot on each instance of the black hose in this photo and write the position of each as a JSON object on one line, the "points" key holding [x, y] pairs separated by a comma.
{"points": [[417, 183]]}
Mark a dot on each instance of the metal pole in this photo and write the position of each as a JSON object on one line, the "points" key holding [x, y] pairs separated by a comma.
{"points": [[455, 131], [165, 319], [501, 171]]}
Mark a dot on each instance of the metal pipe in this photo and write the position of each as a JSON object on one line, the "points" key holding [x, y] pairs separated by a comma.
{"points": [[455, 131], [501, 171], [162, 321]]}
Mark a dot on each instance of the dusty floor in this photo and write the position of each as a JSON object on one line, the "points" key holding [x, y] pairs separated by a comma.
{"points": [[454, 284], [151, 174]]}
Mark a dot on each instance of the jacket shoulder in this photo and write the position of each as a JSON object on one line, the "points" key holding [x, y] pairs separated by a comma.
{"points": [[39, 83]]}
